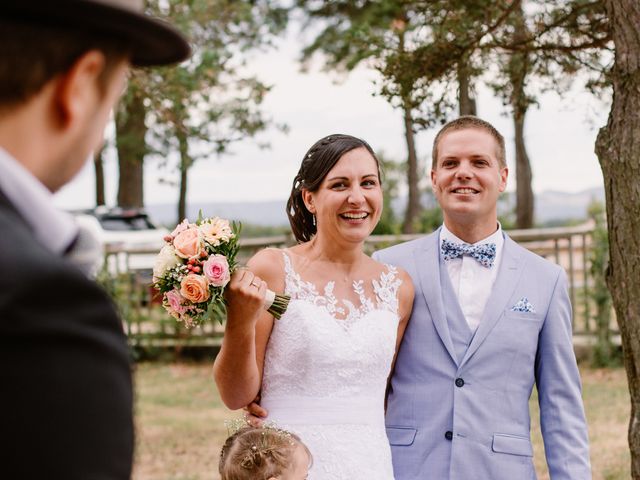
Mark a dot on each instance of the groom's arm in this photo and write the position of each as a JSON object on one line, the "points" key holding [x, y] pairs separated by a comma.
{"points": [[562, 418]]}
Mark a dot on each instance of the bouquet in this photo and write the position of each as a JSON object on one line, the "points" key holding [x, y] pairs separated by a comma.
{"points": [[194, 266]]}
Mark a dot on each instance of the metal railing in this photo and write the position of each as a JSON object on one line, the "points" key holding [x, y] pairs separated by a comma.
{"points": [[146, 322]]}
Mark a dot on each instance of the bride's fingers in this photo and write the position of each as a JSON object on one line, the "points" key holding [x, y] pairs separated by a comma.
{"points": [[255, 410]]}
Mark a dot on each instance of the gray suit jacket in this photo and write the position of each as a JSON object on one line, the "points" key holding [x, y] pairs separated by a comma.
{"points": [[469, 419], [67, 402]]}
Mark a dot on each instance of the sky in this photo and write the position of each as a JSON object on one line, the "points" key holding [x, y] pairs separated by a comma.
{"points": [[560, 135]]}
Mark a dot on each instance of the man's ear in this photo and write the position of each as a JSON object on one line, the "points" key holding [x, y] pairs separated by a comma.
{"points": [[78, 89], [307, 198], [433, 181], [504, 174]]}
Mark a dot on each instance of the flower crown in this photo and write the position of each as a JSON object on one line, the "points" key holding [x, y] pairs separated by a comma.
{"points": [[262, 447]]}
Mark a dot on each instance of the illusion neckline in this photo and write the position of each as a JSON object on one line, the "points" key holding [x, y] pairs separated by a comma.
{"points": [[385, 288]]}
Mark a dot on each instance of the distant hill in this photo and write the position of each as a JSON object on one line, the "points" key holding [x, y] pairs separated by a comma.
{"points": [[550, 206], [269, 213]]}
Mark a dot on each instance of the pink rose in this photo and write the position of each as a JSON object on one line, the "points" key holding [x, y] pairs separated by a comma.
{"points": [[216, 269], [188, 243], [182, 226], [174, 303], [195, 288]]}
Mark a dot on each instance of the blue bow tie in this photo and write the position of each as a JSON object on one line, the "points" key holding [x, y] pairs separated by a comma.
{"points": [[485, 253]]}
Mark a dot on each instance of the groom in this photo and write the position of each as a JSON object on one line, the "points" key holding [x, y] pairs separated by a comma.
{"points": [[66, 401], [490, 319]]}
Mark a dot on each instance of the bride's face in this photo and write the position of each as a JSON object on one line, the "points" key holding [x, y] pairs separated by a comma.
{"points": [[349, 201]]}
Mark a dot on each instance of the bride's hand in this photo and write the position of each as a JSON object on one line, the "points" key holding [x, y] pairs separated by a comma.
{"points": [[254, 414], [245, 295]]}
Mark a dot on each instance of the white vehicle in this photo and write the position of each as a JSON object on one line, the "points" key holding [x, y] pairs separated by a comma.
{"points": [[128, 239]]}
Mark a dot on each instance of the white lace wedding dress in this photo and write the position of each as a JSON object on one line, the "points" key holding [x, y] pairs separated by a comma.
{"points": [[325, 375]]}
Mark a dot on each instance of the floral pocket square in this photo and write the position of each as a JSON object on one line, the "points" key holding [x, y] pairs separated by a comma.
{"points": [[524, 306]]}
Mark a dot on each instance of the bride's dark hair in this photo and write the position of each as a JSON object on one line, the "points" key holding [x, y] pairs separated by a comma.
{"points": [[316, 164]]}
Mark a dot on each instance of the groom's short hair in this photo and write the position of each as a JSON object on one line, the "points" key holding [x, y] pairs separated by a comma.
{"points": [[34, 54], [465, 122]]}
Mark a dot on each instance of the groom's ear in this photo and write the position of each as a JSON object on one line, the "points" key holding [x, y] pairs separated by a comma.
{"points": [[307, 198]]}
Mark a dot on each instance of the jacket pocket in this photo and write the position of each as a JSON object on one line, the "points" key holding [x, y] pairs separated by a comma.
{"points": [[528, 316], [401, 436], [512, 444]]}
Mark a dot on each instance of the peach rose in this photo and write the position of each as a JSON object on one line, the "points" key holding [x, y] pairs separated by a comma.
{"points": [[188, 243], [216, 269], [195, 288]]}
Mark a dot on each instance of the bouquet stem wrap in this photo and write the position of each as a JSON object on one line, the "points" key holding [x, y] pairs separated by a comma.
{"points": [[276, 304]]}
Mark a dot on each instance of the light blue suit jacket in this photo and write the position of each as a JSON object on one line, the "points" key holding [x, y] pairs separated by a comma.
{"points": [[469, 419]]}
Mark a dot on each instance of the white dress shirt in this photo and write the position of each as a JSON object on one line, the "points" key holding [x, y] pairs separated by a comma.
{"points": [[51, 227], [471, 281]]}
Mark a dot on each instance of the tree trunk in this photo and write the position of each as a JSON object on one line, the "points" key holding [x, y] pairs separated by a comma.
{"points": [[524, 192], [618, 150], [99, 170], [413, 202], [466, 102], [185, 163], [518, 70], [131, 146]]}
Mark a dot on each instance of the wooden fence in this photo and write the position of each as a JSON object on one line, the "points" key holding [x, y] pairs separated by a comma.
{"points": [[147, 324]]}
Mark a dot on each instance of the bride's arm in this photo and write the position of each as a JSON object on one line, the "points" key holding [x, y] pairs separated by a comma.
{"points": [[238, 366]]}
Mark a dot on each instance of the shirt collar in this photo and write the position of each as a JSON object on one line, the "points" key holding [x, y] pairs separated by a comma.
{"points": [[53, 228], [496, 237]]}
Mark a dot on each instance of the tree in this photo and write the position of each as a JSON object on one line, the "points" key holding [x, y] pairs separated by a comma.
{"points": [[516, 68], [618, 150], [98, 165], [130, 142], [368, 32], [200, 108]]}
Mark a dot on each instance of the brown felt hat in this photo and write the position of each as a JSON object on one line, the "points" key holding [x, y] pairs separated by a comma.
{"points": [[152, 41]]}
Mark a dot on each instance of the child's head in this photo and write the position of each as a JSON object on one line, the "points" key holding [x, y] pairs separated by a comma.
{"points": [[264, 453]]}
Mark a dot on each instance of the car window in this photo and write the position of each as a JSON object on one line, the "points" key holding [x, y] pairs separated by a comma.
{"points": [[120, 224]]}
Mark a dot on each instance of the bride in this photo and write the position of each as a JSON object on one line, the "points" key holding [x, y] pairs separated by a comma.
{"points": [[321, 370]]}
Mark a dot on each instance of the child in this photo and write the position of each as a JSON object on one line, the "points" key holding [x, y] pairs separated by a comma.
{"points": [[264, 453]]}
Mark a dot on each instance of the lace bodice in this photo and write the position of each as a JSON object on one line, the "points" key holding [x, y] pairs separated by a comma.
{"points": [[325, 373]]}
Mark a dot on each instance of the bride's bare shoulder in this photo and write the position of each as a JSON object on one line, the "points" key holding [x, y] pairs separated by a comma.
{"points": [[268, 264]]}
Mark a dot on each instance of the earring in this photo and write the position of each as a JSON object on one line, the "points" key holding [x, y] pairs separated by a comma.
{"points": [[313, 219]]}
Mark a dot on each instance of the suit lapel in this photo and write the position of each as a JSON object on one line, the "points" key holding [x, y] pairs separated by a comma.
{"points": [[511, 268], [6, 203], [427, 258]]}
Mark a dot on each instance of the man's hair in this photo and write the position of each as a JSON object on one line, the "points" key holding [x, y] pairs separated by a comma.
{"points": [[466, 122], [33, 54]]}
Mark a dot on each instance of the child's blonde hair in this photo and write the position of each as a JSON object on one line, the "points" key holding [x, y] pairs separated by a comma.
{"points": [[258, 453]]}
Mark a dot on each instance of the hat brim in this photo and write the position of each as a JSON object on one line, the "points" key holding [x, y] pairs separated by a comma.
{"points": [[152, 41]]}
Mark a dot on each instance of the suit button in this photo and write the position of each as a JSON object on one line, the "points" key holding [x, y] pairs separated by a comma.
{"points": [[448, 435], [459, 382]]}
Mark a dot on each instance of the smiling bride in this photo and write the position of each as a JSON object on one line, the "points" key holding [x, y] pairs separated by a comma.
{"points": [[321, 370]]}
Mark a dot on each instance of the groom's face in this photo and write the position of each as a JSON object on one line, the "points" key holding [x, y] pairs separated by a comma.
{"points": [[468, 178]]}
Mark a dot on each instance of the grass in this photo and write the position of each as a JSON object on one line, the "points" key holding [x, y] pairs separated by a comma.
{"points": [[180, 423]]}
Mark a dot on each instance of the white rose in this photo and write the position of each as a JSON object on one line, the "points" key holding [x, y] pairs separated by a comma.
{"points": [[165, 260]]}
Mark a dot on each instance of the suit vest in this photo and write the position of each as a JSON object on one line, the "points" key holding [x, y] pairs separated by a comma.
{"points": [[461, 333]]}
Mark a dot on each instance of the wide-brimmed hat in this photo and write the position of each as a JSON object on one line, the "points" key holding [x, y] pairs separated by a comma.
{"points": [[152, 41]]}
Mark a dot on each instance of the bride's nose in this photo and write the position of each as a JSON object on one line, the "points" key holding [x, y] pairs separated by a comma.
{"points": [[356, 196]]}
